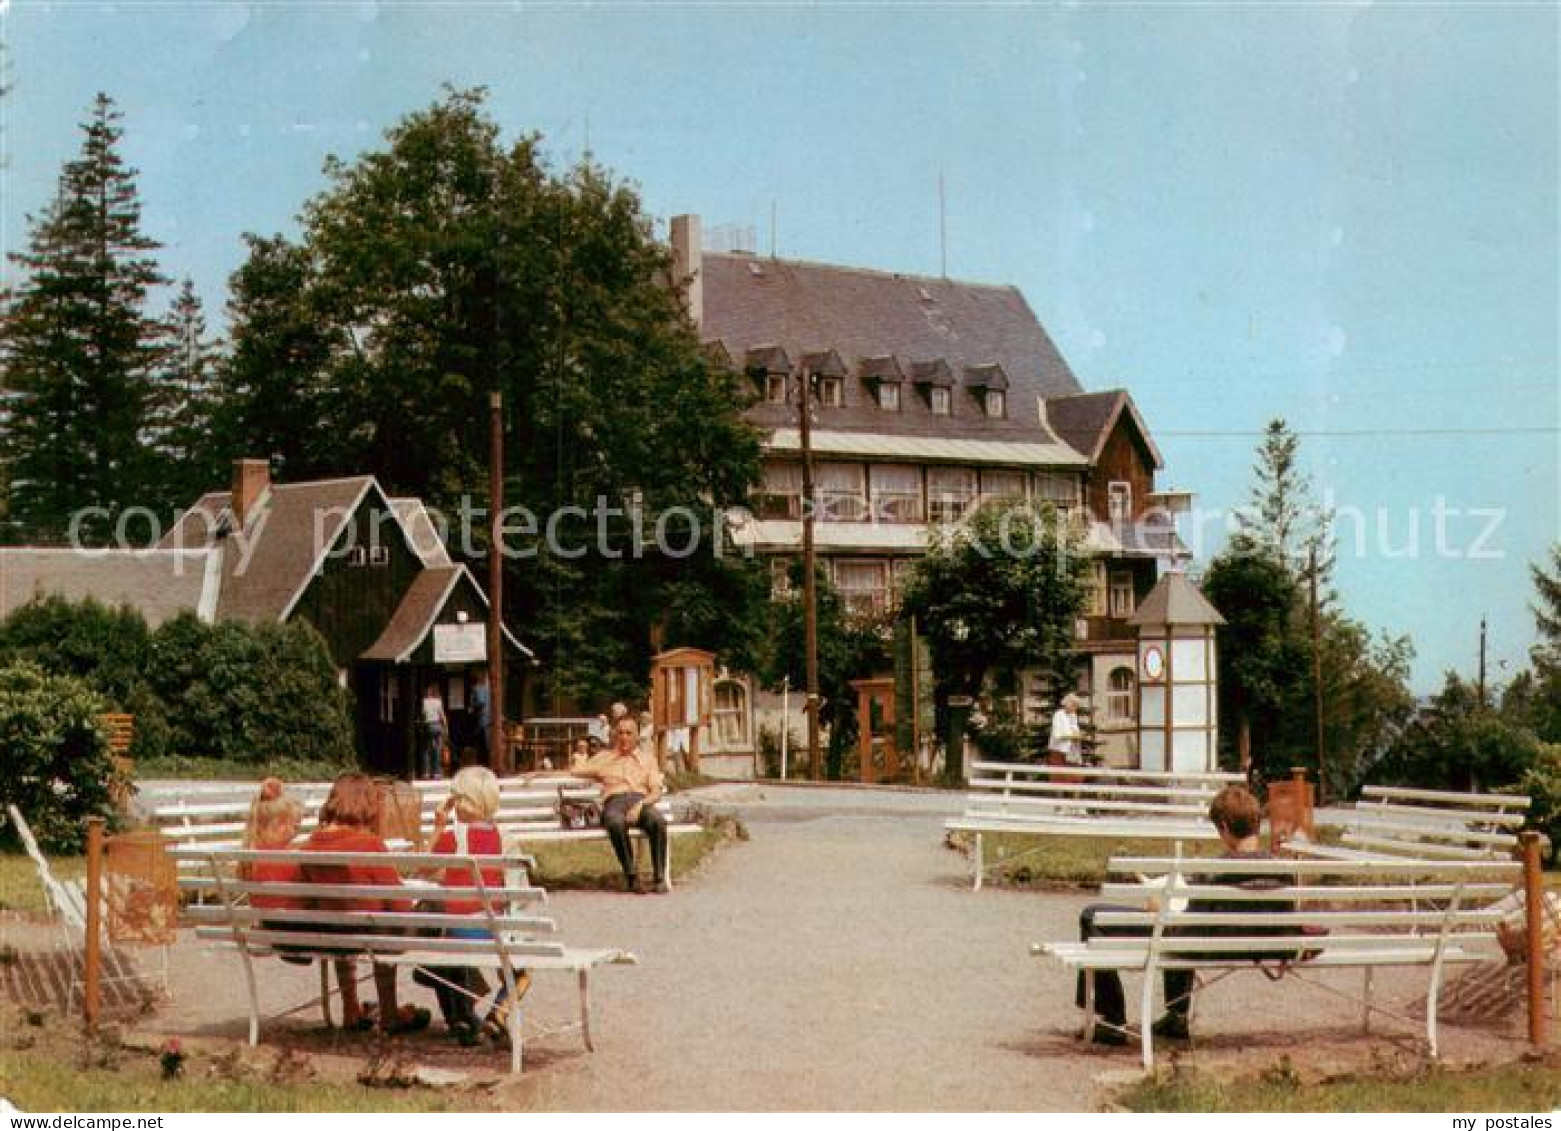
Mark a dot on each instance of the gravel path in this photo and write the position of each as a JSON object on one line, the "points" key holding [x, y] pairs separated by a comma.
{"points": [[836, 960]]}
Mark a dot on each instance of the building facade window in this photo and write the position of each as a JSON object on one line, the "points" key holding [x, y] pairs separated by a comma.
{"points": [[1002, 484], [1121, 594], [780, 490], [1059, 488], [996, 403], [889, 396], [863, 584], [950, 492], [940, 400], [780, 577], [831, 392], [1119, 695], [730, 714], [1096, 605], [1119, 495], [842, 492], [896, 492], [775, 388]]}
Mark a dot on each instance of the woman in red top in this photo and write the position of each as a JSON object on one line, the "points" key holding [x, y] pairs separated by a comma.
{"points": [[347, 822]]}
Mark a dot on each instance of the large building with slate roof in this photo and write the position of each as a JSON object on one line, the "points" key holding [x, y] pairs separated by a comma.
{"points": [[933, 395]]}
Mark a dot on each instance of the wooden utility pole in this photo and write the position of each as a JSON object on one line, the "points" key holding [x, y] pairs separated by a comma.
{"points": [[1317, 678], [1534, 922], [498, 748], [92, 977], [1482, 663], [809, 589]]}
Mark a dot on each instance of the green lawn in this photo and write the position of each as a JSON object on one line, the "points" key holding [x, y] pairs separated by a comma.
{"points": [[20, 889], [223, 769], [50, 1067], [1064, 861], [1532, 1087], [591, 864]]}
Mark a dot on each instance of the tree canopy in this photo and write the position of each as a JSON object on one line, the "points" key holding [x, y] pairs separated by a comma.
{"points": [[448, 264]]}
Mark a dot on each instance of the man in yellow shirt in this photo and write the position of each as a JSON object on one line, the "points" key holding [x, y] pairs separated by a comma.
{"points": [[631, 785]]}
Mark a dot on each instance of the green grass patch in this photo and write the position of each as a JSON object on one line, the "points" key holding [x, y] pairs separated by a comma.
{"points": [[1534, 1086], [1042, 861], [591, 863], [20, 888], [49, 1067], [222, 769]]}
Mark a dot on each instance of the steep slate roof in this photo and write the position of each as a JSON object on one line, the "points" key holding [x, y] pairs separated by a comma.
{"points": [[1084, 420], [160, 583], [807, 308], [421, 531], [268, 564], [420, 607], [1175, 600]]}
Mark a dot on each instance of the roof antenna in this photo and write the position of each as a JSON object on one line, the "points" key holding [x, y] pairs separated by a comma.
{"points": [[772, 228], [943, 231]]}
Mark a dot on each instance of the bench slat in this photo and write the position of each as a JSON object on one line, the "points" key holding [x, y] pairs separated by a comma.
{"points": [[302, 889], [213, 915], [1498, 800], [1361, 893], [335, 945]]}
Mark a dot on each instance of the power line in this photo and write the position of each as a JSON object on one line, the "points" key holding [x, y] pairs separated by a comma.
{"points": [[1353, 433]]}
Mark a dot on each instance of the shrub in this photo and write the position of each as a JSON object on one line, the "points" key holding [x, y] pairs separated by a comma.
{"points": [[106, 648], [58, 769], [251, 693], [1542, 782]]}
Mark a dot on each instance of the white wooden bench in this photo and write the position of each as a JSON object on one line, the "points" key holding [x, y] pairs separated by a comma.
{"points": [[215, 816], [1096, 801], [66, 901], [1375, 913], [516, 938], [1422, 824]]}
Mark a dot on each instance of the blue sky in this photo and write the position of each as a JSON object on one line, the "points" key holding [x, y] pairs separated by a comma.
{"points": [[1346, 215]]}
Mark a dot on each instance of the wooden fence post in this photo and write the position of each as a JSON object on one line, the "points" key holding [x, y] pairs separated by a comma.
{"points": [[92, 975], [1534, 907]]}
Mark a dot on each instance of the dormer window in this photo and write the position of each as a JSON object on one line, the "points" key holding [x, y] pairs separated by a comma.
{"points": [[831, 392], [940, 401], [988, 384], [996, 404], [889, 396], [775, 388], [1119, 497]]}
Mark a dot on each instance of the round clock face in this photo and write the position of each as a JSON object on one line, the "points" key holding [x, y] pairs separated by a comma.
{"points": [[1154, 662]]}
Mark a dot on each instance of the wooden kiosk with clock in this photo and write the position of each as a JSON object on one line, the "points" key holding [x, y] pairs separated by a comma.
{"points": [[1178, 682]]}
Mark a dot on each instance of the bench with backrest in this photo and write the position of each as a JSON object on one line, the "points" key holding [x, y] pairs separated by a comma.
{"points": [[1322, 914], [1016, 797], [515, 937], [528, 811], [1390, 821]]}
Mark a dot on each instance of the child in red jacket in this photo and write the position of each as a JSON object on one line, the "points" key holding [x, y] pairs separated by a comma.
{"points": [[347, 822]]}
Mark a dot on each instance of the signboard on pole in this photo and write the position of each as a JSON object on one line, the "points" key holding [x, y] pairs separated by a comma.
{"points": [[460, 643]]}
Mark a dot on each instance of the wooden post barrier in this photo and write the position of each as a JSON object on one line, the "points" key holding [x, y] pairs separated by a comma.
{"points": [[92, 976], [1534, 908]]}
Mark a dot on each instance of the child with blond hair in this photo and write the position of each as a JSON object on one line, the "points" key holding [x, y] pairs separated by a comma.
{"points": [[473, 803]]}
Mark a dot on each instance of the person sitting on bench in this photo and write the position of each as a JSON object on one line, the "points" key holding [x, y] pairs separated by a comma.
{"points": [[631, 785], [1238, 819]]}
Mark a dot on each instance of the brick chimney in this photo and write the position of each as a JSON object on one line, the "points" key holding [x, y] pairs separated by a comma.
{"points": [[251, 480], [688, 263]]}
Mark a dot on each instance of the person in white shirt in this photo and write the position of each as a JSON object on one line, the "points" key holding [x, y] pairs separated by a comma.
{"points": [[1063, 747], [436, 731]]}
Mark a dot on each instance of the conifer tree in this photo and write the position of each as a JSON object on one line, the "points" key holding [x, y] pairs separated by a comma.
{"points": [[180, 420], [78, 347]]}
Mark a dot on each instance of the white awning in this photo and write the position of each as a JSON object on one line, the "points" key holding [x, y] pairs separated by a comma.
{"points": [[926, 448]]}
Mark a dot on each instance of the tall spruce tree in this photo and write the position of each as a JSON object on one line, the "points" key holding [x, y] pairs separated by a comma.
{"points": [[178, 432], [78, 347]]}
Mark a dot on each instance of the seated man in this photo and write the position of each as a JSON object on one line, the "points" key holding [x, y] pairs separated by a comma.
{"points": [[631, 785], [1238, 818]]}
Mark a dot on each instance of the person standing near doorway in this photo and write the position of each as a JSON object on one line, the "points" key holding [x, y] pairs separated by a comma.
{"points": [[436, 733], [482, 711]]}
